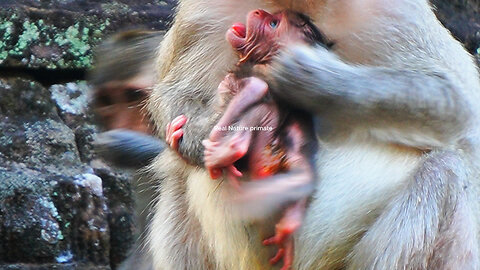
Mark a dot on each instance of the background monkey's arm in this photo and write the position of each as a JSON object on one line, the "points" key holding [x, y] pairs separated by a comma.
{"points": [[128, 148], [424, 109]]}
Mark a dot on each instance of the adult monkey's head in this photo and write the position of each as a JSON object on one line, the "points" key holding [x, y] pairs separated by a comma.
{"points": [[264, 34]]}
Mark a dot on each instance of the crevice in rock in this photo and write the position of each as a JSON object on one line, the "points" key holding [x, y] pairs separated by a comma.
{"points": [[46, 77]]}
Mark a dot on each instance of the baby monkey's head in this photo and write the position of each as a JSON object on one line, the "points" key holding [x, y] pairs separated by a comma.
{"points": [[264, 34]]}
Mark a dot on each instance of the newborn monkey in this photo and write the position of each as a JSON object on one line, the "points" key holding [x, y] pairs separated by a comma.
{"points": [[273, 145]]}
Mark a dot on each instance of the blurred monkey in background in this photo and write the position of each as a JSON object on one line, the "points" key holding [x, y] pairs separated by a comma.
{"points": [[122, 79]]}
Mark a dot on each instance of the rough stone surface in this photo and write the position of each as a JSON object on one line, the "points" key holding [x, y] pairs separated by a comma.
{"points": [[71, 100], [118, 191], [59, 207], [462, 18]]}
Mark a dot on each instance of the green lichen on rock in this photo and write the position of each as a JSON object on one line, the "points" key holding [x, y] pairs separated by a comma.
{"points": [[6, 28], [78, 42], [45, 45], [29, 35], [39, 44], [61, 34]]}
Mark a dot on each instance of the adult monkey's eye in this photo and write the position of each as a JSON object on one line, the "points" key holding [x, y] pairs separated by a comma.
{"points": [[274, 24]]}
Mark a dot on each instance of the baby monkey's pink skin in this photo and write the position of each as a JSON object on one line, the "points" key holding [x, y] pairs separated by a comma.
{"points": [[282, 159], [175, 132]]}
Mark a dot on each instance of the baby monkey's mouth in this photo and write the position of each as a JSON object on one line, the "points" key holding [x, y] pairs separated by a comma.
{"points": [[236, 35], [239, 30]]}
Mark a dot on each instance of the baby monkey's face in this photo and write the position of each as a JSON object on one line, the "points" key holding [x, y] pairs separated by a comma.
{"points": [[265, 33]]}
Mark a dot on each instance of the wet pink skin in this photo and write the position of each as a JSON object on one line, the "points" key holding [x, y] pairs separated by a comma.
{"points": [[237, 34]]}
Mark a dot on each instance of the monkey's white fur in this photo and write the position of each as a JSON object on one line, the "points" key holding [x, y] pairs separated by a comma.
{"points": [[369, 211]]}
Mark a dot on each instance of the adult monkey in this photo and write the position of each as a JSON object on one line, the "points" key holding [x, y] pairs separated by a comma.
{"points": [[399, 140]]}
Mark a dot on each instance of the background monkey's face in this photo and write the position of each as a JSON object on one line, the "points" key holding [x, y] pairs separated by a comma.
{"points": [[120, 105]]}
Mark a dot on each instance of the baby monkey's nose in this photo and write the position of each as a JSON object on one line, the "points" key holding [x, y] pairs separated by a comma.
{"points": [[260, 13]]}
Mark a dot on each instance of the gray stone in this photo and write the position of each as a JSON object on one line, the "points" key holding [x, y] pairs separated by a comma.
{"points": [[72, 101], [54, 208], [462, 19]]}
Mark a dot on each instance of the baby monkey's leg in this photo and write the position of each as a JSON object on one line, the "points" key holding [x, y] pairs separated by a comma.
{"points": [[294, 214], [253, 91], [222, 149], [290, 222]]}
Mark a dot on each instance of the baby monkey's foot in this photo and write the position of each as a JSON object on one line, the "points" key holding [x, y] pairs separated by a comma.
{"points": [[290, 222], [219, 156], [175, 132], [223, 154], [284, 241]]}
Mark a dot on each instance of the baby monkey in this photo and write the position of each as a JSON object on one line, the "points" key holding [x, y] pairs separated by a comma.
{"points": [[274, 145]]}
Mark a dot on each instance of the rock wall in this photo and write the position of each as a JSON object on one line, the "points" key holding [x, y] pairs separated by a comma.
{"points": [[60, 207], [462, 18]]}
